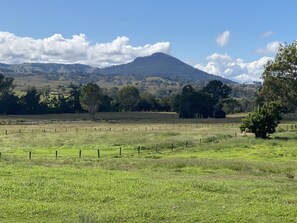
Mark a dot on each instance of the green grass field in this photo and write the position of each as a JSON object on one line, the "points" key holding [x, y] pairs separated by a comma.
{"points": [[186, 171]]}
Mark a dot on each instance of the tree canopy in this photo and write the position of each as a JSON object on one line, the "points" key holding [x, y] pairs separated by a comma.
{"points": [[280, 78], [202, 103], [263, 120], [90, 98], [128, 98]]}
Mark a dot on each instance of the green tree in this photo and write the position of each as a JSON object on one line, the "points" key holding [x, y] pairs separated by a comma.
{"points": [[128, 98], [263, 120], [195, 104], [280, 77], [9, 103], [147, 102], [74, 98], [90, 97], [31, 102], [217, 89], [6, 84]]}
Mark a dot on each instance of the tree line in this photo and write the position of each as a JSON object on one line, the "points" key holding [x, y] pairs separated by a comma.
{"points": [[213, 100]]}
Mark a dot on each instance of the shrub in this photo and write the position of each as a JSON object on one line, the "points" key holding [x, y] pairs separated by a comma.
{"points": [[263, 120]]}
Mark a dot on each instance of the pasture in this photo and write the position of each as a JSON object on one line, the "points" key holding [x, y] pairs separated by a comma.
{"points": [[151, 167]]}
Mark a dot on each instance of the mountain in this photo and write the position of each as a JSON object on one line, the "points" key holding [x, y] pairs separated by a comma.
{"points": [[161, 65], [156, 65]]}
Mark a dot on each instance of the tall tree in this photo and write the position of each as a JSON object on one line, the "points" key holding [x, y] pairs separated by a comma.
{"points": [[280, 77], [147, 102], [129, 98], [217, 89], [74, 98], [31, 102], [9, 103], [90, 97], [6, 84]]}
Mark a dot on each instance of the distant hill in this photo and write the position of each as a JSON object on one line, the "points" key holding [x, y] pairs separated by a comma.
{"points": [[161, 65], [156, 65]]}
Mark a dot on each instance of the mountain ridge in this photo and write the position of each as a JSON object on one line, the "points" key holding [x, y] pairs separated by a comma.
{"points": [[158, 65]]}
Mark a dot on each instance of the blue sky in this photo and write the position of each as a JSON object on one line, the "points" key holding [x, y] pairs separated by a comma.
{"points": [[230, 38]]}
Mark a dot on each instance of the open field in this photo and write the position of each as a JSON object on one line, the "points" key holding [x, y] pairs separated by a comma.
{"points": [[185, 170]]}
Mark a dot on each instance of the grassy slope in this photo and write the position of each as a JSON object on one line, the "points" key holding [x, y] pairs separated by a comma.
{"points": [[225, 178]]}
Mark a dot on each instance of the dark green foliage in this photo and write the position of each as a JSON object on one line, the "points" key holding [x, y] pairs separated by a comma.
{"points": [[6, 84], [147, 102], [263, 120], [280, 78], [74, 98], [217, 89], [128, 98], [107, 104], [219, 113], [9, 103], [90, 98], [203, 103], [31, 102]]}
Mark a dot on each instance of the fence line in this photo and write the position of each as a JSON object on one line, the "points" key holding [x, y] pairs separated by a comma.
{"points": [[138, 150], [111, 129]]}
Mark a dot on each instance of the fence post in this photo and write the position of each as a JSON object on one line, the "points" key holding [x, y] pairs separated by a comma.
{"points": [[120, 151], [79, 154], [0, 155], [30, 155], [186, 144], [171, 146], [5, 132], [98, 153], [56, 154], [138, 149]]}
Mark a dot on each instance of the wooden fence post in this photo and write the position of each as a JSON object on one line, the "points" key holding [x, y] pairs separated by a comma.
{"points": [[120, 151], [5, 132], [56, 154], [79, 154], [30, 155], [98, 153]]}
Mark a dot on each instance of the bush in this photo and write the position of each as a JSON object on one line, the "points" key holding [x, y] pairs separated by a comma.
{"points": [[263, 120]]}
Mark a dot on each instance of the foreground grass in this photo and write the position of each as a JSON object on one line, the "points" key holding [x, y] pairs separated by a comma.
{"points": [[210, 175]]}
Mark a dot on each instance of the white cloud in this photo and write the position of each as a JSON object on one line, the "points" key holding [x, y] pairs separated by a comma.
{"points": [[223, 38], [266, 34], [234, 68], [77, 49], [270, 48]]}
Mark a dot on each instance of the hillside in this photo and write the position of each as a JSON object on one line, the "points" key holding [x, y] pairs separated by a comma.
{"points": [[161, 65]]}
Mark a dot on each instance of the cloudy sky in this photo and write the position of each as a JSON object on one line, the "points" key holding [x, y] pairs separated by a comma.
{"points": [[230, 38]]}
